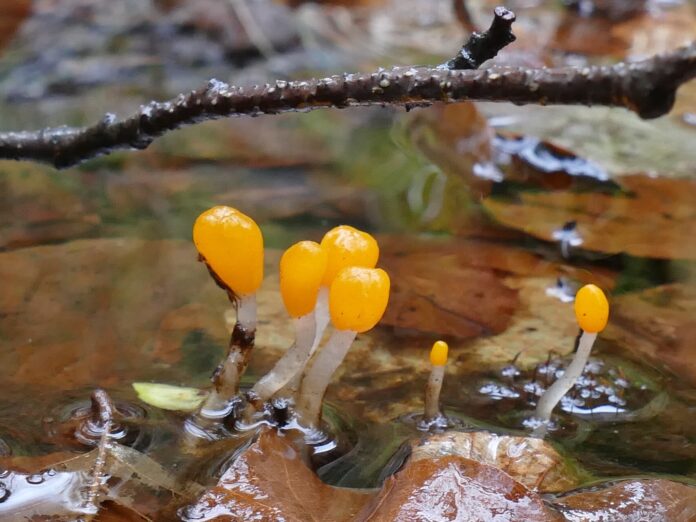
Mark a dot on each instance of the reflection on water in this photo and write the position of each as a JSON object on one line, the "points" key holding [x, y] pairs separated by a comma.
{"points": [[100, 285]]}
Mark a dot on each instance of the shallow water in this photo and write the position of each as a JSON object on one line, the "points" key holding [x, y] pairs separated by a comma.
{"points": [[100, 285]]}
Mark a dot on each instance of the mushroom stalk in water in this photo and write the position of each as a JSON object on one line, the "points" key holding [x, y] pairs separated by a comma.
{"points": [[302, 268], [592, 314], [438, 360], [357, 300], [231, 245]]}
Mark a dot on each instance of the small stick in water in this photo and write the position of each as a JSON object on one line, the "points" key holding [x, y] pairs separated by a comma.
{"points": [[302, 268], [231, 245], [592, 314], [438, 360], [357, 300]]}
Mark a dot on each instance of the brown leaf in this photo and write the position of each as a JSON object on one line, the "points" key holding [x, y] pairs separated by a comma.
{"points": [[455, 488], [533, 462], [269, 481], [123, 295], [654, 219], [459, 287], [112, 512], [658, 324], [656, 500], [36, 207]]}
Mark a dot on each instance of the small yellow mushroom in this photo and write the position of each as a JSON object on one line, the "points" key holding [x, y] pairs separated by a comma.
{"points": [[232, 246], [357, 300], [438, 360], [302, 268], [438, 353], [592, 314], [347, 246], [591, 309]]}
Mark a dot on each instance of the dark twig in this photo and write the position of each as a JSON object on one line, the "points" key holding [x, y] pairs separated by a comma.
{"points": [[486, 45], [647, 87], [102, 412]]}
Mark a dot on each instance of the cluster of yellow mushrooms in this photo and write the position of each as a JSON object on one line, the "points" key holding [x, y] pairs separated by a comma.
{"points": [[333, 281]]}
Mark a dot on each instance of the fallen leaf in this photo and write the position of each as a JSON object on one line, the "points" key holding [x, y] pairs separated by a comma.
{"points": [[653, 218], [55, 484], [657, 324], [115, 318], [269, 481], [532, 462], [36, 207], [169, 397], [644, 500], [455, 488]]}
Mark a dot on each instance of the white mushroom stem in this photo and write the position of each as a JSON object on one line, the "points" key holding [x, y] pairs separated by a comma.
{"points": [[293, 360], [218, 404], [318, 375], [432, 393], [322, 315], [552, 396]]}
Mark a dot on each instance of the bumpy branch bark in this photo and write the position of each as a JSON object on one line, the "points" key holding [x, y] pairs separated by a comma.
{"points": [[647, 87]]}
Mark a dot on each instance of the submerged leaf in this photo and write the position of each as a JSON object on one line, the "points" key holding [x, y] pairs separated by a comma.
{"points": [[269, 481], [655, 218], [658, 324], [169, 397]]}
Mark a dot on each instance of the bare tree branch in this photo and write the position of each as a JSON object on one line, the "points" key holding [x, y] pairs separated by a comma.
{"points": [[647, 87]]}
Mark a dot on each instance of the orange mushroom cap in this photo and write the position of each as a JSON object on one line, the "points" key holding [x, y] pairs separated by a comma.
{"points": [[591, 309], [232, 245], [347, 246], [358, 298], [438, 353], [302, 268]]}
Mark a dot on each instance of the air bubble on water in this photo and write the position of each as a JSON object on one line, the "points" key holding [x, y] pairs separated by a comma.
{"points": [[35, 479]]}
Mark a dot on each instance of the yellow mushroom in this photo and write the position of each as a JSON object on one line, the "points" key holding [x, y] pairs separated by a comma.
{"points": [[302, 268], [438, 360], [592, 314], [357, 300], [231, 244], [345, 246]]}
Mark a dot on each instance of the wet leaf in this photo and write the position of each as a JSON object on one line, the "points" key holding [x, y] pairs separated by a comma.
{"points": [[646, 499], [129, 304], [55, 484], [532, 462], [433, 293], [269, 481], [653, 218], [36, 207], [657, 324], [169, 397], [456, 488]]}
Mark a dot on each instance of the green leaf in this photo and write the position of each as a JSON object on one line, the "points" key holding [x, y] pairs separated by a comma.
{"points": [[169, 397]]}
